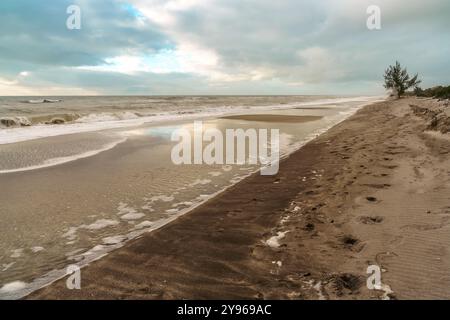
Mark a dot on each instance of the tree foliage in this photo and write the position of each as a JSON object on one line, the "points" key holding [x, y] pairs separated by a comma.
{"points": [[398, 79], [439, 92]]}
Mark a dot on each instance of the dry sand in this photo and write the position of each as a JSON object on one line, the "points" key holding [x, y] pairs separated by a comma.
{"points": [[374, 189]]}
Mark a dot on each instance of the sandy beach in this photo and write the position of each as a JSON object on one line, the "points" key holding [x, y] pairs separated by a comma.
{"points": [[72, 198], [373, 190]]}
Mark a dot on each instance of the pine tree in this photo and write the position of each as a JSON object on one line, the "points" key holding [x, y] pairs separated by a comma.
{"points": [[398, 79]]}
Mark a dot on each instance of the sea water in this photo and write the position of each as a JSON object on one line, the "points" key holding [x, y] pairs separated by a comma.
{"points": [[74, 191]]}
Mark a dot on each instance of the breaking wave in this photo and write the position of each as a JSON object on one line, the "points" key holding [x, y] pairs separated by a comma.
{"points": [[37, 101], [12, 128]]}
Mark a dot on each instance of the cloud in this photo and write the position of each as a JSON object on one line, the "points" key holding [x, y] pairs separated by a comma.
{"points": [[15, 88], [219, 46], [318, 65], [35, 32], [265, 37]]}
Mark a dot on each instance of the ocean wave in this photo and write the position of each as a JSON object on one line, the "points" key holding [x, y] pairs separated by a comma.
{"points": [[22, 121], [60, 124], [18, 290], [15, 121], [38, 101], [60, 160], [67, 118], [111, 116]]}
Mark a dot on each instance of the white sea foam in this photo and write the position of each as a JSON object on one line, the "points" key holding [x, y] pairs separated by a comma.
{"points": [[105, 117], [103, 121], [71, 254], [100, 224], [144, 224], [61, 160], [96, 122], [162, 198], [200, 181], [114, 239], [133, 216], [147, 207], [6, 266], [227, 168], [100, 250], [184, 203], [273, 242], [318, 288], [128, 213], [17, 253], [94, 250], [13, 286], [71, 233], [37, 249], [38, 101], [235, 180]]}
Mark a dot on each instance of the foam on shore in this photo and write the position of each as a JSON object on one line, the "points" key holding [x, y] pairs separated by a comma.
{"points": [[103, 121], [99, 251], [114, 242], [58, 161]]}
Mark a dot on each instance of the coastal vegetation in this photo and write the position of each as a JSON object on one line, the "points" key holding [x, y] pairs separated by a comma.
{"points": [[398, 80], [438, 92]]}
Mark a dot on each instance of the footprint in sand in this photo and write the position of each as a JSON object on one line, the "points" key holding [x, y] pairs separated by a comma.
{"points": [[349, 240], [371, 219], [377, 185]]}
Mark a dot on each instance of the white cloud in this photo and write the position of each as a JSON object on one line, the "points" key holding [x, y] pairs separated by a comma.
{"points": [[202, 53], [318, 65], [122, 64], [192, 56], [223, 46], [163, 12], [15, 88], [298, 42]]}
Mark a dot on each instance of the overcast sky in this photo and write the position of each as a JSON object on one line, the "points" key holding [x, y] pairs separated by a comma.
{"points": [[152, 47]]}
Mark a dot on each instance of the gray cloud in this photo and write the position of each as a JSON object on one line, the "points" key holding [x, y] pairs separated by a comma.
{"points": [[34, 32], [223, 46]]}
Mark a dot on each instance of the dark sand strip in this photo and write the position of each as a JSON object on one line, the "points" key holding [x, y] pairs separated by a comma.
{"points": [[372, 190]]}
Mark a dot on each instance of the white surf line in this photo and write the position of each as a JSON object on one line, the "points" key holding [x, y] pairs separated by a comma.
{"points": [[56, 275], [94, 255], [274, 241], [61, 160], [20, 134]]}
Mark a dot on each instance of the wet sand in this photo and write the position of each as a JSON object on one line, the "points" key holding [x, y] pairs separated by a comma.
{"points": [[372, 190], [274, 118]]}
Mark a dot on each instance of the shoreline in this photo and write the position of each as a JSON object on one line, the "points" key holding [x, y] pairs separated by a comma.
{"points": [[9, 135], [54, 275], [370, 191], [189, 211]]}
